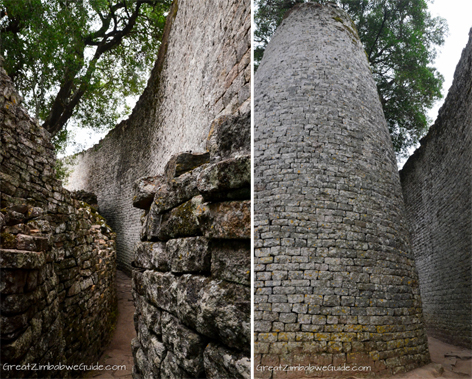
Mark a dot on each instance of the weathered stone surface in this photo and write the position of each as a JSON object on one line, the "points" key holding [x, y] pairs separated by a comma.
{"points": [[229, 136], [2, 221], [145, 189], [181, 163], [231, 260], [160, 290], [178, 190], [230, 219], [41, 225], [13, 281], [141, 361], [150, 314], [156, 354], [21, 259], [224, 312], [187, 297], [186, 345], [221, 362], [212, 308], [137, 279], [57, 256], [151, 224], [151, 255], [87, 197], [194, 308], [437, 188], [31, 243], [12, 352], [189, 292], [229, 179], [182, 221], [13, 326], [170, 368], [190, 254], [143, 334], [18, 303]]}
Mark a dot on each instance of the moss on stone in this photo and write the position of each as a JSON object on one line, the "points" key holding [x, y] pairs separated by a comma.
{"points": [[8, 240]]}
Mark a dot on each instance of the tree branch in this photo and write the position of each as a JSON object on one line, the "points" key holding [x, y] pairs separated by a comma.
{"points": [[65, 102], [371, 50]]}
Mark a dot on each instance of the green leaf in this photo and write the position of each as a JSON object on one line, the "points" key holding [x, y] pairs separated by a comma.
{"points": [[60, 56]]}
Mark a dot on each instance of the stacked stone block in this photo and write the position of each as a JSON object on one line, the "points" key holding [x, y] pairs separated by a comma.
{"points": [[191, 277], [57, 256], [436, 183], [202, 72], [336, 281]]}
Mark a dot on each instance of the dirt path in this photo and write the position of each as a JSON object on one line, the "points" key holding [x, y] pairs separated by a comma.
{"points": [[119, 350], [442, 366]]}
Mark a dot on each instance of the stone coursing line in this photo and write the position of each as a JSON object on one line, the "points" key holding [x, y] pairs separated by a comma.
{"points": [[57, 256], [335, 277], [192, 269], [437, 182], [202, 72]]}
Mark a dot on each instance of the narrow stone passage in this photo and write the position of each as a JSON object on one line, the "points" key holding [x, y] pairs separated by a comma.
{"points": [[119, 350]]}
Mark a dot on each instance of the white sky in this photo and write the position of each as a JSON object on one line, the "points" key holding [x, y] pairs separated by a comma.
{"points": [[458, 14]]}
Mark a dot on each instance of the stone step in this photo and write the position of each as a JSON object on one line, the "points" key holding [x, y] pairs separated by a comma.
{"points": [[25, 259], [24, 242]]}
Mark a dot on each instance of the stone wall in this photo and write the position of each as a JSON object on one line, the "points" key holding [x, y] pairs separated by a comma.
{"points": [[202, 73], [437, 182], [191, 281], [336, 281], [57, 256]]}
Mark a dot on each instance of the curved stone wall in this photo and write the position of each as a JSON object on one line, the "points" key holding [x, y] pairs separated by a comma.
{"points": [[437, 181], [202, 72], [336, 281]]}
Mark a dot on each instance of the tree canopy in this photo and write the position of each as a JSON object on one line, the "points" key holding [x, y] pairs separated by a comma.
{"points": [[77, 61], [400, 39]]}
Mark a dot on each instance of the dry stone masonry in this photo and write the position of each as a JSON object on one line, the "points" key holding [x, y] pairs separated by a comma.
{"points": [[57, 256], [336, 281], [437, 182], [202, 72], [191, 277]]}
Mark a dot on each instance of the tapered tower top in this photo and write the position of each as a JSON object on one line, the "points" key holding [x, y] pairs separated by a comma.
{"points": [[336, 282]]}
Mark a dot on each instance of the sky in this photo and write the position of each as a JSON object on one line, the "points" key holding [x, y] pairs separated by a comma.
{"points": [[458, 16]]}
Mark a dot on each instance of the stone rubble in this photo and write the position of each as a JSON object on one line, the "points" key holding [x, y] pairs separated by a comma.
{"points": [[191, 277]]}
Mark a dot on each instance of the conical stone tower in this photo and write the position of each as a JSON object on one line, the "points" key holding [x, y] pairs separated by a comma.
{"points": [[336, 282]]}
